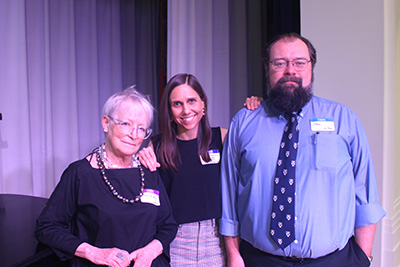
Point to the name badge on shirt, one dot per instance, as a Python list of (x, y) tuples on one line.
[(150, 196), (214, 155), (322, 125)]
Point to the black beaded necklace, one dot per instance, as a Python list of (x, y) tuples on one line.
[(100, 163)]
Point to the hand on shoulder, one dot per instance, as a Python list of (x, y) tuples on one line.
[(253, 102), (148, 158)]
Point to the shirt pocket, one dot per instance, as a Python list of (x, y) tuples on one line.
[(325, 145)]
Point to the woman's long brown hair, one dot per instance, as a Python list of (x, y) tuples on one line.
[(167, 151)]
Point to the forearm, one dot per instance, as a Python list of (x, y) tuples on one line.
[(145, 256), (364, 237), (232, 251), (155, 247), (84, 250), (89, 252)]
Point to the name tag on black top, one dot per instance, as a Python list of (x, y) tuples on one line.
[(151, 196), (214, 155)]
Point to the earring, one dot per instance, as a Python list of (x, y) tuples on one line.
[(204, 111)]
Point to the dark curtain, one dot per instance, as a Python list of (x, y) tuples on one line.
[(142, 42), (279, 16), (249, 33), (61, 60)]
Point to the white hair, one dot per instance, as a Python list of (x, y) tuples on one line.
[(113, 103)]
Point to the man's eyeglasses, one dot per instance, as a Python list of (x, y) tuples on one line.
[(126, 127), (280, 64)]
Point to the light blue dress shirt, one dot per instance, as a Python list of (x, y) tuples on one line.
[(336, 187)]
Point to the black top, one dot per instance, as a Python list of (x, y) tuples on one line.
[(82, 208), (194, 190)]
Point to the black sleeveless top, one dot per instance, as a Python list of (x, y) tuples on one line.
[(194, 190)]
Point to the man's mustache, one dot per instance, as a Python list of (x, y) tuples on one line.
[(284, 79)]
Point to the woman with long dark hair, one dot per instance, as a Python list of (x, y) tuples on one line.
[(189, 152)]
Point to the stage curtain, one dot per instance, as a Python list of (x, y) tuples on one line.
[(221, 43), (59, 62)]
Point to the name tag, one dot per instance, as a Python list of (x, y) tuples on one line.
[(150, 196), (214, 155), (322, 125)]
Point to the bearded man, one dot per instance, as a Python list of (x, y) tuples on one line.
[(298, 182)]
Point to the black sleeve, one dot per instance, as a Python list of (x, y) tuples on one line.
[(53, 226), (166, 225)]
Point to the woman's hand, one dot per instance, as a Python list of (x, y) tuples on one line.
[(103, 256), (143, 257), (253, 102), (148, 159)]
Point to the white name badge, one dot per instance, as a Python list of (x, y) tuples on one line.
[(214, 155), (150, 196), (322, 125)]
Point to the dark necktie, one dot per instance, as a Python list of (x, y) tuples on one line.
[(282, 217)]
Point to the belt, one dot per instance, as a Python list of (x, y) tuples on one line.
[(296, 259), (290, 258)]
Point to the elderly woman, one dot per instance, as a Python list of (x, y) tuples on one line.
[(107, 208)]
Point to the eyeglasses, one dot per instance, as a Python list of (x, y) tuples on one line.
[(126, 127), (280, 64)]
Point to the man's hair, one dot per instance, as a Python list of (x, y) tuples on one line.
[(290, 37)]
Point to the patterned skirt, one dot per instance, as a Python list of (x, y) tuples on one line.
[(198, 244)]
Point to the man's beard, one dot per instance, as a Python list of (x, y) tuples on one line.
[(288, 97)]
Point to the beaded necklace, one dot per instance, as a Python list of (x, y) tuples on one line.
[(102, 167), (108, 164)]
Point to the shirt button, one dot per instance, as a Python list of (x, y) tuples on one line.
[(296, 241)]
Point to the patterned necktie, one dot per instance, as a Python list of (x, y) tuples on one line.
[(282, 223)]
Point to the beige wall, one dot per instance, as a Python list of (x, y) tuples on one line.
[(396, 130), (391, 160), (356, 42)]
